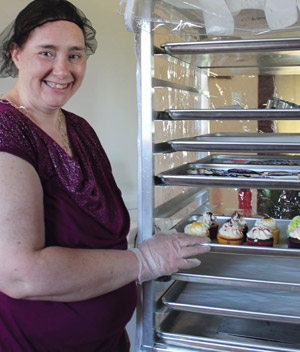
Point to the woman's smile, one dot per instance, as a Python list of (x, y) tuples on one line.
[(57, 85)]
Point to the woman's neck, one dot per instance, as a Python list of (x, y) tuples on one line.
[(46, 118)]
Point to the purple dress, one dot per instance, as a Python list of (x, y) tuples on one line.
[(83, 209)]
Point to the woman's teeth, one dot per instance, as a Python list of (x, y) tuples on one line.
[(56, 85)]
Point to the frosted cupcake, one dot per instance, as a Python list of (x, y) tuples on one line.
[(239, 220), (293, 233), (230, 233), (260, 236), (210, 221), (271, 224), (196, 229)]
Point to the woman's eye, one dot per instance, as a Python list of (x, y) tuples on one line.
[(46, 54), (75, 56)]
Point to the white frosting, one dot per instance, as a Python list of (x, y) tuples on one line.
[(230, 230), (236, 218), (207, 219), (295, 233), (259, 233), (269, 223), (196, 228)]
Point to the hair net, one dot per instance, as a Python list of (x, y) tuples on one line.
[(37, 13)]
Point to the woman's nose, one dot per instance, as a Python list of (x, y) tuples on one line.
[(61, 67)]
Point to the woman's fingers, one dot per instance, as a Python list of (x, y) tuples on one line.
[(189, 240), (194, 250)]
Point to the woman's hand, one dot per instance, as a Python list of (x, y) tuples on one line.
[(164, 254)]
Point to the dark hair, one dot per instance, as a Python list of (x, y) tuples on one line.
[(37, 13)]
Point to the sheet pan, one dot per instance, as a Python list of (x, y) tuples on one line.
[(252, 266), (216, 171), (243, 142), (227, 334), (230, 114), (238, 302), (282, 160)]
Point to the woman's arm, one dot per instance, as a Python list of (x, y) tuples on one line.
[(30, 271)]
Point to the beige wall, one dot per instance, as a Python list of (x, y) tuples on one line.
[(234, 90), (287, 88), (224, 92), (107, 98)]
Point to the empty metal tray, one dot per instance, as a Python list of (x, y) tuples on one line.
[(227, 334), (234, 301), (231, 114), (268, 55), (237, 142), (233, 46)]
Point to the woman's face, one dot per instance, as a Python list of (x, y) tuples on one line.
[(51, 65)]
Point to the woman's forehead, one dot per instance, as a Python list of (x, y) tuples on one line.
[(58, 31)]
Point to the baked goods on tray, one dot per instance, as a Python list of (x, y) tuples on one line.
[(210, 221), (260, 236), (230, 233), (293, 233), (196, 228), (239, 220), (271, 224)]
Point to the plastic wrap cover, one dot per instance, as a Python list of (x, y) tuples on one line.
[(241, 18)]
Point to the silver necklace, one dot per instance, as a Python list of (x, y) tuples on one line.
[(63, 132), (61, 126)]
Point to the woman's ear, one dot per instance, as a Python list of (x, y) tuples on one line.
[(15, 54)]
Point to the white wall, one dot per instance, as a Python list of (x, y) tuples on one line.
[(107, 98)]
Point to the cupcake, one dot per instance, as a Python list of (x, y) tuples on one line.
[(230, 233), (293, 233), (210, 221), (260, 236), (271, 224), (238, 219), (196, 229)]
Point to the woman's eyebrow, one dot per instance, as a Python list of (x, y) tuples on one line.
[(54, 47)]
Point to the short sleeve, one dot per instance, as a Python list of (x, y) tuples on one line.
[(15, 136)]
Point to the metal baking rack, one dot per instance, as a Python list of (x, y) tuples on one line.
[(240, 299)]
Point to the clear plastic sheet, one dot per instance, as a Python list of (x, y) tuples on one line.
[(202, 18), (220, 87), (215, 90)]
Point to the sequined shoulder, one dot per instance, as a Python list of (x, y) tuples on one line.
[(15, 135)]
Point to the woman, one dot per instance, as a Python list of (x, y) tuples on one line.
[(67, 280)]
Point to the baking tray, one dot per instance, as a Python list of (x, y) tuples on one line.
[(234, 301), (238, 268), (252, 266), (281, 223), (244, 142), (230, 114), (233, 159), (227, 334), (262, 53), (184, 175), (236, 45)]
